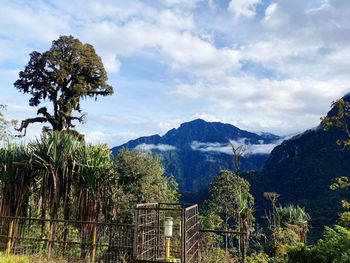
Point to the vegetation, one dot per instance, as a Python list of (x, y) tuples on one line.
[(64, 74), (59, 176), (16, 178), (14, 259), (341, 120), (26, 259), (231, 200)]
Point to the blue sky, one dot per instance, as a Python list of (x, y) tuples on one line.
[(272, 66)]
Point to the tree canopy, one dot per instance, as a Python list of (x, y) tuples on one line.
[(230, 198), (67, 72)]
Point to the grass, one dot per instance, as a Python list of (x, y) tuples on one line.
[(26, 259)]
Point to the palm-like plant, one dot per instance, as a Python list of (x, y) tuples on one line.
[(16, 178), (244, 218), (92, 181), (53, 159), (294, 218)]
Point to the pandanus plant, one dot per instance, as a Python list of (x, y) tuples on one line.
[(54, 160), (91, 184), (294, 218), (16, 178), (244, 218), (92, 181)]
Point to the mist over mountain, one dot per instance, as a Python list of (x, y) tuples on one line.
[(196, 151)]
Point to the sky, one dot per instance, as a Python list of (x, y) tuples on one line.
[(271, 66)]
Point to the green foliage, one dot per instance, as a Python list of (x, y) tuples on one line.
[(231, 200), (227, 190), (59, 176), (257, 258), (335, 248), (283, 237), (288, 225), (53, 158), (216, 255), (172, 259), (14, 258), (27, 259), (341, 119), (140, 177), (344, 219), (211, 221), (276, 260), (292, 215), (16, 178), (64, 74), (93, 165)]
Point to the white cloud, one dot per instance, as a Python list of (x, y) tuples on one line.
[(159, 147), (281, 107), (182, 50), (111, 139), (115, 130), (278, 74), (32, 22), (245, 8), (270, 10), (226, 147), (211, 147), (187, 3), (111, 63), (304, 38)]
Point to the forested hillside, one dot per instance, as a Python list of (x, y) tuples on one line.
[(196, 151), (302, 170)]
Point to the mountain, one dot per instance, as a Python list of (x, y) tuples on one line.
[(196, 151), (301, 170)]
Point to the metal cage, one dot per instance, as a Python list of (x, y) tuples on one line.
[(150, 243)]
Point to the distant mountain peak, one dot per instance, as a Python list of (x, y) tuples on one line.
[(195, 121), (197, 150)]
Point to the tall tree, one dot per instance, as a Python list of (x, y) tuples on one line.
[(231, 199), (141, 178), (64, 74)]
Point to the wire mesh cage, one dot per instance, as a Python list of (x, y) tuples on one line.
[(74, 241), (166, 232)]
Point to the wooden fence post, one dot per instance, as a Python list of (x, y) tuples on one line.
[(50, 241), (93, 244), (142, 241), (10, 238)]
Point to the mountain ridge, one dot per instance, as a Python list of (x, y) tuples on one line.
[(301, 169), (197, 150)]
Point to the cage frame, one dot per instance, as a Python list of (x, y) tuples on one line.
[(188, 231)]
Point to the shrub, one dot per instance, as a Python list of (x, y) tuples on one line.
[(335, 248), (216, 255), (258, 258)]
